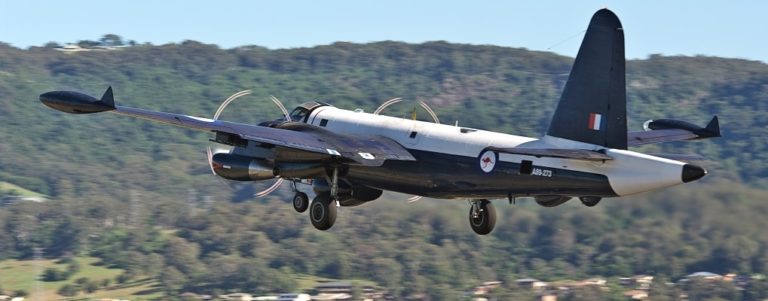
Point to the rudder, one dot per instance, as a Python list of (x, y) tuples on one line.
[(593, 106)]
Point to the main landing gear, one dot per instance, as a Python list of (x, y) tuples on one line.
[(482, 216), (322, 211)]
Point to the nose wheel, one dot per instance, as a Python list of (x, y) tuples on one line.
[(322, 212), (482, 216)]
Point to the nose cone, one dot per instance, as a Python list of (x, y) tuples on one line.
[(692, 173)]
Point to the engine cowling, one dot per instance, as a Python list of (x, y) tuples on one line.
[(299, 170), (242, 168)]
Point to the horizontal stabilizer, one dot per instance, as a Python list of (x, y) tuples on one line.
[(575, 154), (680, 157)]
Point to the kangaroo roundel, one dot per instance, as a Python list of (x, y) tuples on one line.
[(488, 161)]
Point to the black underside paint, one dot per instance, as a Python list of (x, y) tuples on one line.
[(441, 175)]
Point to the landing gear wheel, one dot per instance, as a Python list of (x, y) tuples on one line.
[(300, 202), (482, 217), (590, 201), (322, 212)]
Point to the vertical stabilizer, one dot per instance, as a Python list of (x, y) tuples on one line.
[(593, 107)]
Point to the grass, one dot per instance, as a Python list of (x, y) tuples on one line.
[(21, 275), (8, 188)]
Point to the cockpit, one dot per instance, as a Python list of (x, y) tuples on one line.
[(300, 113)]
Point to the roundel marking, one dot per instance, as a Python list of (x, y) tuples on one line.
[(488, 160)]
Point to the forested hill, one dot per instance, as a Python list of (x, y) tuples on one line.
[(138, 195)]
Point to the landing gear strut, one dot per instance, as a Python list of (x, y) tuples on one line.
[(482, 216), (322, 212)]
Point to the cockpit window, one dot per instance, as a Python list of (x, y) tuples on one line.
[(299, 114)]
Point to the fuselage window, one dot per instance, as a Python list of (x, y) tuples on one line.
[(323, 122), (413, 135)]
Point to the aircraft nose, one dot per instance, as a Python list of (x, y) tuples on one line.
[(692, 173)]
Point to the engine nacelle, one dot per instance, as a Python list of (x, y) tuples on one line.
[(299, 170), (242, 168), (551, 200)]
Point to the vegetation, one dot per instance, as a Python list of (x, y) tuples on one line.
[(139, 197)]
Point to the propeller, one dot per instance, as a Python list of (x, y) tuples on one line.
[(424, 106), (279, 181), (421, 103)]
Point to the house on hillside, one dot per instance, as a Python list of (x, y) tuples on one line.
[(237, 297), (532, 284), (640, 282), (547, 297), (294, 297), (703, 275), (485, 288), (636, 294), (337, 289), (333, 297)]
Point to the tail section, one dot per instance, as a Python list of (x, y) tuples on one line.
[(593, 107)]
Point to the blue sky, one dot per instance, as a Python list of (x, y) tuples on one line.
[(735, 29)]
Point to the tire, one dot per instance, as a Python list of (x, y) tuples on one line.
[(300, 202), (486, 218), (322, 212)]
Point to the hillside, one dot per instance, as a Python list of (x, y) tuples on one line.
[(140, 197)]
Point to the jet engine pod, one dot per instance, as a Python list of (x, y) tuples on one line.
[(241, 168)]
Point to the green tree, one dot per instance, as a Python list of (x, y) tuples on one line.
[(172, 280), (20, 293), (68, 290), (111, 40), (54, 274)]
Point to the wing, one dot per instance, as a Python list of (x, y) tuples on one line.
[(363, 150), (666, 130)]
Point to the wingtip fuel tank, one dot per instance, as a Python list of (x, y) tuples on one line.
[(78, 103)]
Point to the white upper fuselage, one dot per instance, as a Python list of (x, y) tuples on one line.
[(628, 173)]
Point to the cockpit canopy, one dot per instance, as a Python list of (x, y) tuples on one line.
[(300, 113)]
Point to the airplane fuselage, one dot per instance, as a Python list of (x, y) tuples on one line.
[(450, 162)]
